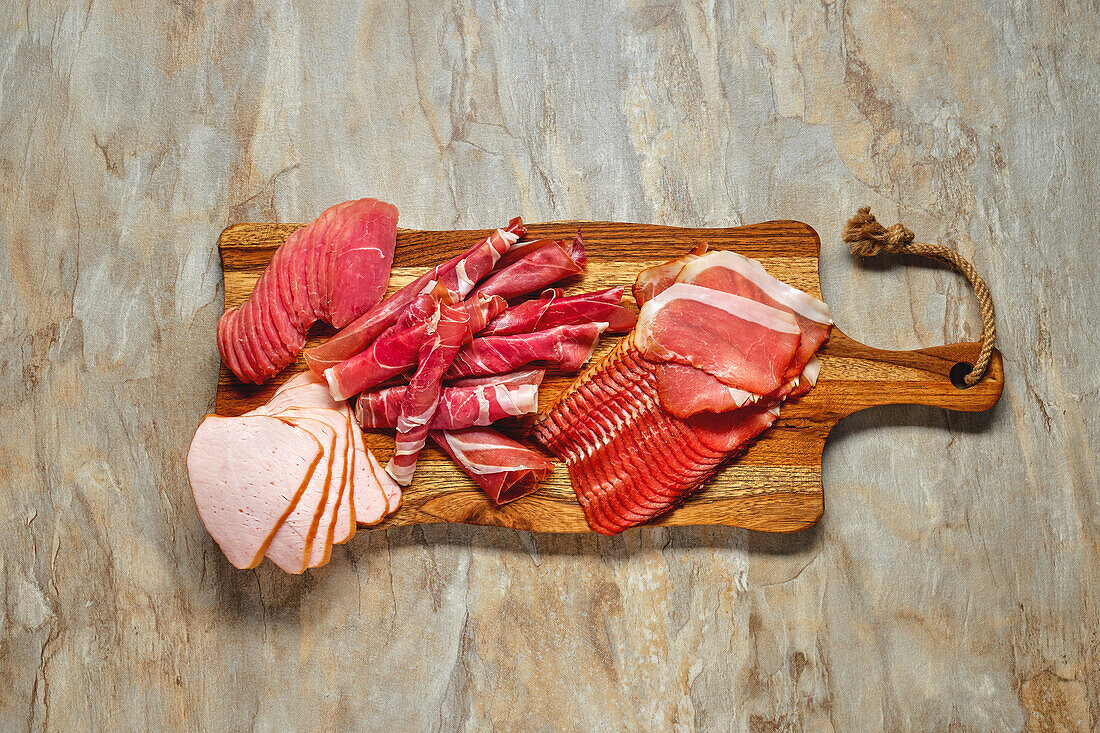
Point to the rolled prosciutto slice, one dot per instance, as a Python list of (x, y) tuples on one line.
[(552, 309), (504, 469), (333, 269), (541, 263), (654, 280), (396, 349), (465, 403), (421, 398), (561, 347), (743, 343), (459, 274)]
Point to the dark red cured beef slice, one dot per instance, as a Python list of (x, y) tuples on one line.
[(285, 339), (239, 342), (225, 346), (253, 345), (729, 431), (610, 522), (361, 259), (582, 484), (311, 243), (814, 334), (296, 278)]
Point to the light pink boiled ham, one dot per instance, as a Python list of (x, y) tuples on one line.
[(247, 475), (334, 269)]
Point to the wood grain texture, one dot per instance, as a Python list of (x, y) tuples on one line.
[(774, 486), (953, 582)]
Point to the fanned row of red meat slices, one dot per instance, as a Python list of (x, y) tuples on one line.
[(288, 480), (333, 269), (719, 344)]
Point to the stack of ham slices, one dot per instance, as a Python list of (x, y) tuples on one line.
[(333, 270), (718, 346), (288, 480)]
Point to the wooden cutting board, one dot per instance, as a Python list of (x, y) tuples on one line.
[(775, 486)]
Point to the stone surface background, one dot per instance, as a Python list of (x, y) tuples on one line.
[(954, 581)]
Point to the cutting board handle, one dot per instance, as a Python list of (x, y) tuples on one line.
[(856, 376)]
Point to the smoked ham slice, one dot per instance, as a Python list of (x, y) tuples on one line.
[(744, 343), (247, 475), (656, 279)]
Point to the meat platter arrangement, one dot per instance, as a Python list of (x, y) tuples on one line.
[(448, 385)]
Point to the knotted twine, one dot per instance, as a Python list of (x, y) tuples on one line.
[(867, 238)]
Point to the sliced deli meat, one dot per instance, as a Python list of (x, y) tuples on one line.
[(459, 274), (742, 342), (504, 469), (333, 269), (421, 399), (553, 308), (540, 263), (654, 280), (462, 404), (247, 475), (561, 347)]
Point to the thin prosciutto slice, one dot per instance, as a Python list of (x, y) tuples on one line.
[(744, 343), (459, 274), (396, 349), (685, 391), (541, 263), (561, 347), (554, 309), (733, 273), (421, 398), (504, 469), (465, 403), (654, 280)]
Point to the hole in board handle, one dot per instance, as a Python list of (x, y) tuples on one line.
[(958, 374)]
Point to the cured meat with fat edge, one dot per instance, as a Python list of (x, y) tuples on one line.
[(504, 469)]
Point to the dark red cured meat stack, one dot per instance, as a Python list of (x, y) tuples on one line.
[(629, 459)]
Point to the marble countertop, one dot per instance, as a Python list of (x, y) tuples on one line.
[(954, 581)]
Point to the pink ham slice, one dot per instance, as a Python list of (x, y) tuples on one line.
[(504, 469), (334, 269), (730, 272), (459, 274), (561, 347), (553, 309), (541, 263), (654, 280), (291, 547), (247, 475), (745, 344), (465, 403), (421, 399)]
